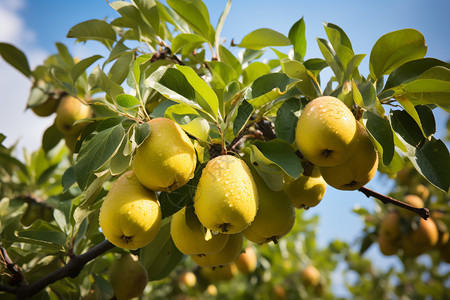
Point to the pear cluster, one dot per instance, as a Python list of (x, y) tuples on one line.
[(401, 231), (329, 136)]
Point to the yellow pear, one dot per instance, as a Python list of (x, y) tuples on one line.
[(130, 216), (310, 276), (127, 277), (247, 261), (187, 278), (414, 201), (189, 235), (69, 111), (420, 239), (226, 199), (221, 273), (275, 217), (357, 170), (326, 131), (225, 256), (306, 191), (166, 159)]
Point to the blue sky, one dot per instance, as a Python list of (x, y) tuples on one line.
[(34, 26)]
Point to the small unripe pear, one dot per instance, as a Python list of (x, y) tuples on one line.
[(166, 159), (127, 277)]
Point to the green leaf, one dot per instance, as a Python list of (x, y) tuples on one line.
[(97, 151), (93, 30), (298, 39), (120, 160), (98, 79), (264, 37), (205, 96), (64, 55), (81, 66), (411, 110), (332, 59), (219, 26), (186, 42), (222, 74), (380, 129), (195, 13), (198, 128), (281, 154), (411, 70), (340, 42), (68, 179), (315, 65), (253, 71), (268, 170), (228, 58), (244, 113), (394, 49), (176, 200), (141, 132), (15, 58), (286, 120), (307, 84), (268, 88), (120, 69), (51, 137), (127, 101), (161, 256), (46, 174)]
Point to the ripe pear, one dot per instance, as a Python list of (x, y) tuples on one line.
[(306, 191), (127, 277), (187, 278), (68, 112), (166, 159), (275, 217), (390, 226), (326, 131), (221, 273), (189, 235), (358, 169), (421, 190), (420, 239), (412, 200), (247, 261), (226, 199), (310, 276), (130, 215), (225, 256), (387, 246)]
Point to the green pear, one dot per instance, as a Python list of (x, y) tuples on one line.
[(306, 191), (326, 131), (68, 112), (127, 277)]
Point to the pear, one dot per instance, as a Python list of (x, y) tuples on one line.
[(225, 256), (247, 261), (69, 111), (46, 108), (189, 235), (187, 278), (130, 215), (226, 199), (326, 131), (390, 226), (306, 191), (275, 217), (166, 159), (387, 245), (420, 239), (357, 170), (310, 276), (412, 200), (127, 277)]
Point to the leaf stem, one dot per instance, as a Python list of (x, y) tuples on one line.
[(421, 212)]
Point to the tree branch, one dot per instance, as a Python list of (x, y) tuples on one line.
[(17, 276), (72, 269), (421, 212)]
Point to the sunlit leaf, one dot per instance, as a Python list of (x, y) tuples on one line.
[(264, 37)]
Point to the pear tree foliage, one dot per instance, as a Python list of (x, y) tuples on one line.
[(170, 61)]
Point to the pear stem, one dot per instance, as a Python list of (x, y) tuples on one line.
[(421, 212)]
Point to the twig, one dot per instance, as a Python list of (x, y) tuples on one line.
[(17, 277), (421, 212), (72, 269)]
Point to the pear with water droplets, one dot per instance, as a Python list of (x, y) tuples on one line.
[(130, 215), (226, 200), (166, 159), (226, 256), (326, 131)]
